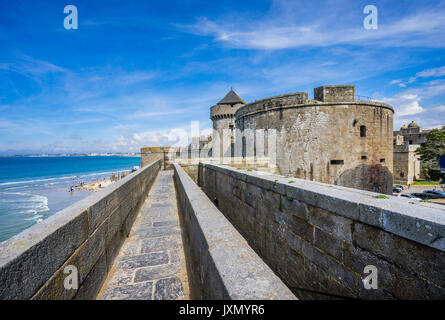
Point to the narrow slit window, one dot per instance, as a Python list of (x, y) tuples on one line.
[(337, 162), (362, 131)]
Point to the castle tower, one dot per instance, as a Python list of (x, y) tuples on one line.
[(223, 116), (334, 138)]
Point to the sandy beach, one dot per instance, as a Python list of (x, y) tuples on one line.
[(97, 185)]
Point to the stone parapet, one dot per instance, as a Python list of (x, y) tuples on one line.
[(86, 235), (255, 108), (338, 93), (406, 148), (222, 264), (318, 238)]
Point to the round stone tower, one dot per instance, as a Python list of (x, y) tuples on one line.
[(334, 138), (223, 116)]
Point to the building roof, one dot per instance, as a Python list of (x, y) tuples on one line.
[(231, 98), (413, 125)]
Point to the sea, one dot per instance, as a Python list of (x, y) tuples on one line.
[(34, 188)]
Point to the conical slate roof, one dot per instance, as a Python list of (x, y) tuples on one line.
[(231, 98)]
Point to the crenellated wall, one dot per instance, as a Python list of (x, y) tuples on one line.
[(318, 238), (87, 235)]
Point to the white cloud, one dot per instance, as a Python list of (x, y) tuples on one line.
[(32, 67), (176, 137), (275, 32), (435, 72), (405, 104)]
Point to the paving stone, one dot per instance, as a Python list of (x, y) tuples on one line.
[(140, 291), (131, 248), (121, 277), (151, 258), (175, 257), (143, 260), (157, 272), (150, 232), (160, 244), (168, 289), (167, 223), (161, 205)]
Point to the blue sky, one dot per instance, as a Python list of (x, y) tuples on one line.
[(135, 73)]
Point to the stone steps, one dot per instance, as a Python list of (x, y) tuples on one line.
[(151, 263)]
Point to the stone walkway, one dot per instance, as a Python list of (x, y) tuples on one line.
[(151, 263)]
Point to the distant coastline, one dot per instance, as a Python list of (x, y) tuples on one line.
[(34, 187), (75, 155)]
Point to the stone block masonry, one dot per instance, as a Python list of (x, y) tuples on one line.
[(332, 139), (151, 264), (87, 235), (318, 238), (222, 264)]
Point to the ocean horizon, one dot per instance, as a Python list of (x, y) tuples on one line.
[(34, 188)]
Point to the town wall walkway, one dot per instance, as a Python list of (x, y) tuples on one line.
[(151, 264)]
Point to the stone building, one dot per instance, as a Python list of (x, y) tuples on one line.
[(411, 134), (407, 163), (333, 139), (223, 116)]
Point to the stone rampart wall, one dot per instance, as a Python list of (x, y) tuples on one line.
[(86, 235), (222, 264), (318, 238)]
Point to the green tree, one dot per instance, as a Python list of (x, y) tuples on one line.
[(431, 150)]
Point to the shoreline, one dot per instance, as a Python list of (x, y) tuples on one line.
[(97, 185)]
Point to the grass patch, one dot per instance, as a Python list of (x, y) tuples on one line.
[(292, 181), (290, 198), (381, 196), (249, 169), (425, 183), (426, 201)]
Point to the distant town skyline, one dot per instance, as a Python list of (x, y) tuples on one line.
[(136, 73)]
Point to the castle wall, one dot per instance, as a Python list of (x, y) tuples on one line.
[(87, 235), (319, 238), (223, 117), (322, 141), (336, 93), (151, 154), (406, 164), (221, 263)]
